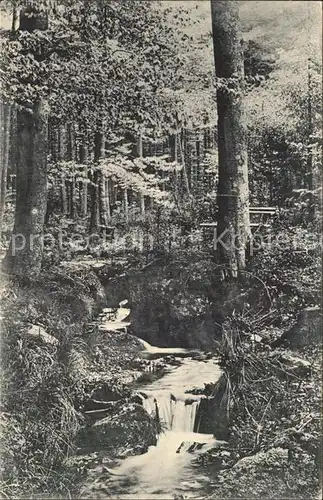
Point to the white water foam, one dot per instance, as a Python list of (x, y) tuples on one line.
[(165, 469), (175, 415)]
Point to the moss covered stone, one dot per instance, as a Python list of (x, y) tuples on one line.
[(127, 430)]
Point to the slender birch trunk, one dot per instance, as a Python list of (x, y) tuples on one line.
[(141, 195), (95, 199), (184, 170), (125, 204), (4, 157)]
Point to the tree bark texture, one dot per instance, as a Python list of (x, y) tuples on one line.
[(26, 249), (24, 256), (233, 228), (95, 198), (4, 157), (141, 195)]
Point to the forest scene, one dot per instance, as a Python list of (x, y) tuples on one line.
[(160, 247)]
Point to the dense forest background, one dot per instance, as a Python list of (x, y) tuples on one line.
[(118, 119), (132, 129)]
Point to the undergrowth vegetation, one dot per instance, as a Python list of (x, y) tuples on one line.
[(289, 263), (272, 397), (42, 377), (273, 407)]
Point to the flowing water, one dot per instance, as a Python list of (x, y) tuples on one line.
[(167, 469)]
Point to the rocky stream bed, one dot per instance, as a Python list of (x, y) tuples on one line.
[(145, 445)]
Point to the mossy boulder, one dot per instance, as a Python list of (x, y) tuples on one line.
[(306, 332), (273, 458), (171, 302), (127, 430), (308, 329), (269, 474)]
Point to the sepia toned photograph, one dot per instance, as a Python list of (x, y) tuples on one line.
[(160, 249)]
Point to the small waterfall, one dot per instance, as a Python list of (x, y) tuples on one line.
[(167, 468), (184, 416), (175, 414)]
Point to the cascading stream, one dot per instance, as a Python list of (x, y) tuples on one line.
[(173, 414), (166, 468)]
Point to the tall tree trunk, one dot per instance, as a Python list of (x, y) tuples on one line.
[(206, 138), (107, 200), (53, 153), (4, 144), (113, 194), (72, 194), (14, 19), (184, 170), (64, 199), (188, 157), (95, 199), (162, 182), (233, 228), (95, 212), (71, 156), (24, 256), (141, 195), (61, 157), (26, 249), (142, 203), (198, 160), (84, 192), (102, 200), (174, 157), (103, 209), (83, 160), (194, 161), (125, 204)]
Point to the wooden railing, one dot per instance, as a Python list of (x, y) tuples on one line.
[(262, 213)]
